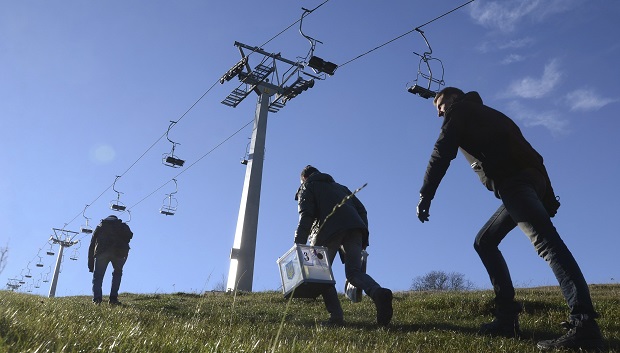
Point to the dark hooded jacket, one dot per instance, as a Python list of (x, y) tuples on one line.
[(316, 200), (490, 141), (111, 233)]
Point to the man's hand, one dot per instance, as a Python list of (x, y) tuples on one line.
[(423, 207)]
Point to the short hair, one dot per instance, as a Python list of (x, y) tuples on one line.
[(307, 171), (448, 91)]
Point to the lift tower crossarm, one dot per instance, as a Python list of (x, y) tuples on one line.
[(271, 55)]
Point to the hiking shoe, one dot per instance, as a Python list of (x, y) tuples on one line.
[(114, 302), (501, 328), (96, 301), (587, 336), (383, 303), (333, 322)]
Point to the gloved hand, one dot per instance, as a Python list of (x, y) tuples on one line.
[(423, 207)]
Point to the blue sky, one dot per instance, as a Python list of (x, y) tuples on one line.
[(89, 88)]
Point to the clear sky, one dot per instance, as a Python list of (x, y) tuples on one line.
[(88, 89)]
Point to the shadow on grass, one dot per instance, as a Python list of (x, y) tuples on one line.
[(537, 307)]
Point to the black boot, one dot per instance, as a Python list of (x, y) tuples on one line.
[(383, 302), (585, 334), (504, 327), (506, 322)]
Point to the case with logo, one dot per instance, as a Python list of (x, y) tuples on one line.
[(305, 270)]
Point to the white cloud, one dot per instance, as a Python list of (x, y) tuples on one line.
[(586, 100), (530, 87), (512, 58), (516, 43), (505, 15), (550, 120), (487, 47)]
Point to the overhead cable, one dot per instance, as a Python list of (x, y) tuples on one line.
[(404, 34)]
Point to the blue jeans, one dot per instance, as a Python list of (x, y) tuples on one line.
[(522, 207), (117, 258), (350, 241)]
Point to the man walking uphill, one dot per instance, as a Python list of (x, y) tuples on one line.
[(510, 167), (342, 229), (109, 244)]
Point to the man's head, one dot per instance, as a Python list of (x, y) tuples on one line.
[(307, 171), (444, 99)]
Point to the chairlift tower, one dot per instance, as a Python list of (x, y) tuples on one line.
[(272, 96), (64, 238)]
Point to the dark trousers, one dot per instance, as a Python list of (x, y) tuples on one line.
[(351, 243), (117, 258), (522, 207)]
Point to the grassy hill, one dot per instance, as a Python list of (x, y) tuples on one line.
[(265, 322)]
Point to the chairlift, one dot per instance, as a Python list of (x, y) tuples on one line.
[(425, 79), (317, 64), (27, 269), (169, 159), (117, 205), (86, 229), (170, 208), (74, 256), (246, 156), (13, 284), (40, 262), (47, 275), (50, 251)]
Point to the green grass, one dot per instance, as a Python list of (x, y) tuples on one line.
[(250, 322)]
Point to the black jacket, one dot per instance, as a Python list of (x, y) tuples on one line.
[(316, 200), (490, 141), (111, 233)]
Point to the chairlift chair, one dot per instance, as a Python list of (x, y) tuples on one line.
[(46, 278), (40, 262), (246, 156), (27, 269), (170, 208), (74, 256), (317, 64), (169, 159), (117, 205), (86, 229), (50, 251), (425, 73)]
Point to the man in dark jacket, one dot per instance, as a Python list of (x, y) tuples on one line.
[(109, 244), (344, 229), (510, 167)]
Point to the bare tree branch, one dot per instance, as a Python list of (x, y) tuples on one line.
[(4, 255)]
